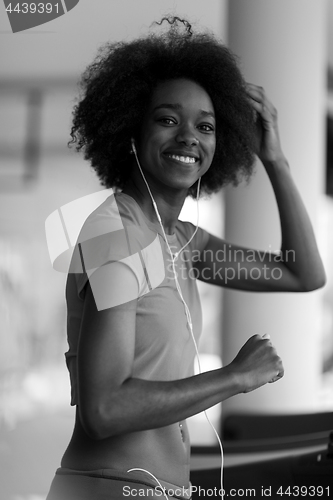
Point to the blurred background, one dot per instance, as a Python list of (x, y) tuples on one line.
[(287, 47)]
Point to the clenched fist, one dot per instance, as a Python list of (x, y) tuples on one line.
[(257, 363)]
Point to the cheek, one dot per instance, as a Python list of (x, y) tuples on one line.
[(153, 139), (212, 148)]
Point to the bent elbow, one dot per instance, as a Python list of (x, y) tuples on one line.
[(314, 284), (96, 424), (91, 423)]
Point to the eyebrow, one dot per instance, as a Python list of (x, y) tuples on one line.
[(178, 106)]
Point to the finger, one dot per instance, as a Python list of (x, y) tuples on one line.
[(267, 337), (280, 373), (263, 108), (263, 119), (250, 85), (258, 94), (277, 377)]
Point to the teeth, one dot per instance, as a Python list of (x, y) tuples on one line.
[(185, 159)]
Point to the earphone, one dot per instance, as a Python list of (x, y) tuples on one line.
[(187, 311)]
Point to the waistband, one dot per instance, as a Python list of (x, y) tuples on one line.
[(136, 476)]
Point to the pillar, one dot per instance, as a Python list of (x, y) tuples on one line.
[(281, 45)]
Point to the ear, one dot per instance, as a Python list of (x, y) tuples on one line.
[(133, 145)]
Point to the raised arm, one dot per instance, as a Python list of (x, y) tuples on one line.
[(112, 402), (299, 266)]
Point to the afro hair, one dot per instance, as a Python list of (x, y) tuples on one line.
[(117, 88)]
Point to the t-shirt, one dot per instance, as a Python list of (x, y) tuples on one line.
[(118, 231)]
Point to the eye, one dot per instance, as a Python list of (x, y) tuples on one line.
[(167, 120), (206, 127)]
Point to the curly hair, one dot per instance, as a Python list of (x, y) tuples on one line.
[(117, 88)]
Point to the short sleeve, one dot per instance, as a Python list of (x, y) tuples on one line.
[(111, 244)]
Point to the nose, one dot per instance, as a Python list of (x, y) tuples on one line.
[(187, 136)]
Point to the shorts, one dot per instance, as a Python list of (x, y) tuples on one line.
[(109, 484)]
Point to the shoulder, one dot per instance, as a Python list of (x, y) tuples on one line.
[(112, 247), (117, 211), (115, 230)]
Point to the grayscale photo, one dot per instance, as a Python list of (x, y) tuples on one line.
[(166, 249)]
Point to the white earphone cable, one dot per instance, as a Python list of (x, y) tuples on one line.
[(152, 475)]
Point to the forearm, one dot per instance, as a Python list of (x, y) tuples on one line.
[(299, 248), (141, 404)]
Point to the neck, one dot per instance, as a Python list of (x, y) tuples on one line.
[(169, 201)]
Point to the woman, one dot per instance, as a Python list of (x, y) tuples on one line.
[(162, 118)]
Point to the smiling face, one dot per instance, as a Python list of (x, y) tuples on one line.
[(177, 141)]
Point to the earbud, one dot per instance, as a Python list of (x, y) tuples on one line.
[(133, 145)]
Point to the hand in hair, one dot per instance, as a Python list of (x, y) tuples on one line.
[(268, 140)]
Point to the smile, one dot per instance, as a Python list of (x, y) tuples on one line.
[(183, 159)]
